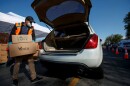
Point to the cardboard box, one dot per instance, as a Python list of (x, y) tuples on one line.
[(3, 47), (37, 46), (3, 59), (3, 53), (21, 38), (22, 49), (35, 56), (4, 37)]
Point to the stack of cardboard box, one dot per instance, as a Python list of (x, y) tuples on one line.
[(3, 53), (22, 45), (4, 37), (3, 47)]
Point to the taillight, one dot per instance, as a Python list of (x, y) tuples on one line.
[(40, 45), (92, 43)]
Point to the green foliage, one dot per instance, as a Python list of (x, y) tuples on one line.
[(113, 39), (127, 25)]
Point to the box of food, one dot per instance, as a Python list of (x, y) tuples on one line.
[(21, 38), (3, 47), (3, 53), (20, 49), (35, 56), (3, 59), (37, 46)]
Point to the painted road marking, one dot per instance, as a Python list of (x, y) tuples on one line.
[(74, 81)]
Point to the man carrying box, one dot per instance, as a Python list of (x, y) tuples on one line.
[(24, 28)]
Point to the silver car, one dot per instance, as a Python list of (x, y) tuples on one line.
[(72, 42)]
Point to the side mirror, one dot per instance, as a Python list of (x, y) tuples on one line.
[(100, 40)]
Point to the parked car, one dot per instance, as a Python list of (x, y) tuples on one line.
[(124, 44), (72, 42), (113, 46)]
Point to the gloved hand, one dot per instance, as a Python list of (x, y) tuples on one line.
[(9, 43), (33, 41)]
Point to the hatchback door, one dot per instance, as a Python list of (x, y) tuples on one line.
[(67, 17), (62, 12)]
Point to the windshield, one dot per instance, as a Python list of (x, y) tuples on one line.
[(66, 7)]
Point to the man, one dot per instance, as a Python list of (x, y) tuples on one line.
[(24, 28)]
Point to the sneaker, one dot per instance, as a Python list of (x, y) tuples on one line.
[(15, 82), (36, 79)]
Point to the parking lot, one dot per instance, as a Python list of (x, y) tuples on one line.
[(116, 73)]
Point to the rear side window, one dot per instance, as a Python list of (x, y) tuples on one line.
[(67, 7)]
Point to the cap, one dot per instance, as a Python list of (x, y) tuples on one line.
[(29, 18)]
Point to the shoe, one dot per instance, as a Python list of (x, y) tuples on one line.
[(36, 79), (15, 82)]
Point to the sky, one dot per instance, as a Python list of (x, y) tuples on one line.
[(106, 16)]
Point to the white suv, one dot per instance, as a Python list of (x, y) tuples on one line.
[(72, 41)]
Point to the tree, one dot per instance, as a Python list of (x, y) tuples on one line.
[(127, 25), (113, 39)]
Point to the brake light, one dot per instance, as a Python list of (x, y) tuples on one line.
[(92, 43), (40, 45)]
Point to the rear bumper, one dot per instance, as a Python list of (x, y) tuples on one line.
[(68, 66), (90, 58)]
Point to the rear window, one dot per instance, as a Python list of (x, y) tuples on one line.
[(66, 7)]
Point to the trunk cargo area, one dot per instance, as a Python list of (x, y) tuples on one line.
[(67, 38)]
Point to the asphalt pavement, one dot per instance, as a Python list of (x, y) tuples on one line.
[(116, 73)]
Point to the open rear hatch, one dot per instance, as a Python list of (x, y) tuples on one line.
[(67, 17), (62, 12)]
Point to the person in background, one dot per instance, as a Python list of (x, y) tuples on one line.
[(24, 28)]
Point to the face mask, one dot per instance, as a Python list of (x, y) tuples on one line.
[(29, 24)]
